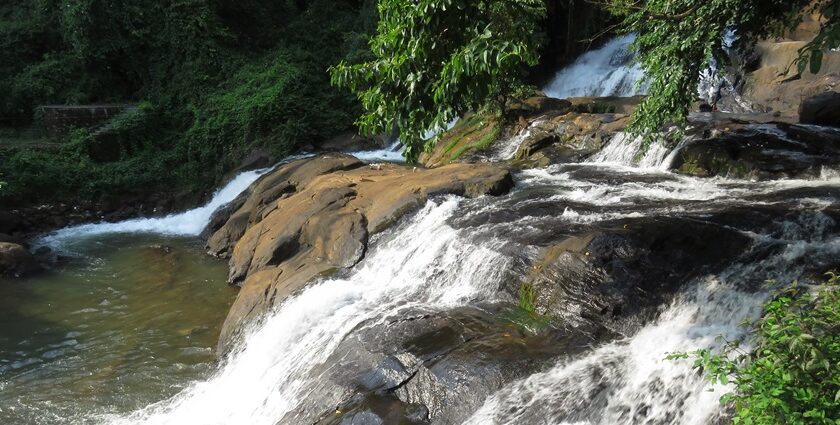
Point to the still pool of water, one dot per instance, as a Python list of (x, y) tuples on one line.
[(126, 321)]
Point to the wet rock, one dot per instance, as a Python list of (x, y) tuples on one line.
[(313, 217), (617, 277), (822, 109), (362, 418), (567, 138), (537, 105), (431, 367), (761, 151), (16, 261), (351, 141)]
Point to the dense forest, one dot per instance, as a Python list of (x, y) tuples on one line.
[(212, 81)]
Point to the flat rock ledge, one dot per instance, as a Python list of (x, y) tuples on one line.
[(313, 217)]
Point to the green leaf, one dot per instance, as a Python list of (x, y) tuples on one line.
[(816, 61)]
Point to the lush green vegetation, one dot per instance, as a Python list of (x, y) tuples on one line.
[(434, 60), (677, 39), (791, 375), (216, 78), (219, 78)]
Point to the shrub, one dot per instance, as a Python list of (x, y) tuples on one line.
[(792, 375)]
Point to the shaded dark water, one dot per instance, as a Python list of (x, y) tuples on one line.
[(125, 322)]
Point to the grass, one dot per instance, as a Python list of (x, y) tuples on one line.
[(525, 314)]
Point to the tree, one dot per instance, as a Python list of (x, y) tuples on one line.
[(434, 60), (678, 38)]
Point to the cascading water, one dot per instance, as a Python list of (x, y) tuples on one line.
[(607, 71), (630, 381), (456, 253), (188, 223), (425, 264), (391, 153), (624, 149), (509, 147), (193, 222), (394, 151)]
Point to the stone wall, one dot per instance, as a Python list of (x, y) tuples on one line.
[(58, 120)]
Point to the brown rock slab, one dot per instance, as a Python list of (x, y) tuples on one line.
[(314, 216)]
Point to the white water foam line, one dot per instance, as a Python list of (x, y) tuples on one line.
[(188, 223), (392, 153), (395, 151)]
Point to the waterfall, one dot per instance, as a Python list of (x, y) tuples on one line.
[(607, 71), (717, 83), (394, 151), (423, 264), (624, 149), (188, 223), (508, 148), (391, 153), (629, 381), (432, 263)]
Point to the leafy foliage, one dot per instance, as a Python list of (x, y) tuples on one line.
[(678, 38), (811, 55), (434, 60), (791, 377), (217, 78)]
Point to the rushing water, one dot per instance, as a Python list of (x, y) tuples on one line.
[(439, 260), (188, 223), (607, 71), (122, 334), (425, 263)]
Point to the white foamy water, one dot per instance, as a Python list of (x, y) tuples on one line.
[(425, 263), (624, 149), (188, 223), (509, 147), (392, 153), (629, 381), (607, 71), (395, 151)]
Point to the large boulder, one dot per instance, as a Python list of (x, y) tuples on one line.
[(16, 261), (618, 276), (775, 85), (761, 151), (313, 217), (566, 138), (436, 367), (822, 109)]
